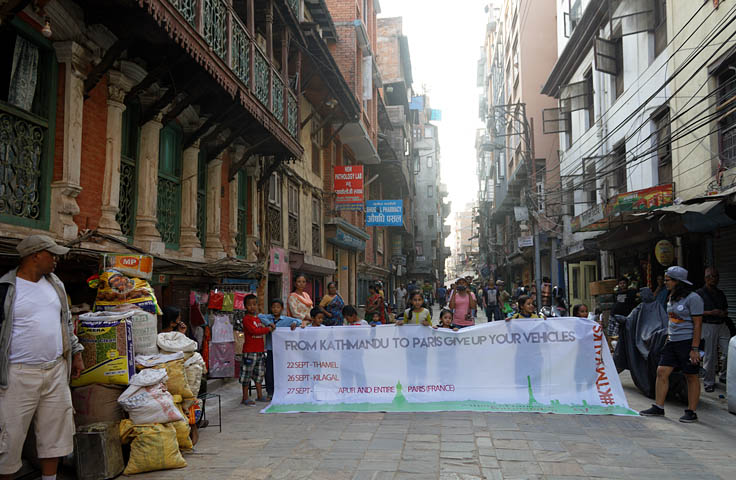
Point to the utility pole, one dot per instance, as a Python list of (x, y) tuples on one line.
[(535, 225)]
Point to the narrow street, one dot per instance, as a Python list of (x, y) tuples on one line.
[(458, 445)]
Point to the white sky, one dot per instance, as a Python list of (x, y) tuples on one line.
[(444, 42)]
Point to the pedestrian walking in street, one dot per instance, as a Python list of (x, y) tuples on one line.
[(331, 305), (526, 309), (400, 298), (715, 331), (254, 351), (417, 314), (274, 318), (442, 296), (580, 311), (374, 304), (39, 354), (493, 312), (685, 312), (300, 303), (462, 303)]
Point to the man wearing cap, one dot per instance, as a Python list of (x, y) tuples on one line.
[(39, 353)]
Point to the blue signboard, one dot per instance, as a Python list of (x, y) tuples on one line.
[(344, 239), (417, 103), (435, 115), (384, 213)]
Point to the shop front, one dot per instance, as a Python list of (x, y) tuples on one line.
[(279, 275), (318, 271), (344, 242)]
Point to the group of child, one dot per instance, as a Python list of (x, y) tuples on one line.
[(257, 362)]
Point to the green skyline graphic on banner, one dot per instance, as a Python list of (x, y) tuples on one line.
[(401, 404)]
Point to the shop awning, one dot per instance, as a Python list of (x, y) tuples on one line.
[(312, 264)]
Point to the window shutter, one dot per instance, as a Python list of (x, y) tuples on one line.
[(575, 96), (631, 16), (605, 56), (554, 120)]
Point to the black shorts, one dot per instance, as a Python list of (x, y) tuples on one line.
[(677, 354)]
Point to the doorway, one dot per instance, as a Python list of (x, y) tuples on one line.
[(274, 288)]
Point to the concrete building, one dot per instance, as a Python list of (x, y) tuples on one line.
[(517, 164), (465, 245), (430, 210), (610, 84)]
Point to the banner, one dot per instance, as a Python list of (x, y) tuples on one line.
[(384, 213), (552, 366), (349, 187)]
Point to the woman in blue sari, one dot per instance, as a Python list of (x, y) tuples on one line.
[(331, 305)]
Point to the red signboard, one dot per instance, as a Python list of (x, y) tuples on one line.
[(349, 187)]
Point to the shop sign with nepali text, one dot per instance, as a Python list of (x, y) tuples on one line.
[(349, 187), (384, 213)]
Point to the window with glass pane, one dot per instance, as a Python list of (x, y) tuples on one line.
[(169, 184), (240, 248), (430, 191), (293, 215), (727, 121), (316, 226), (202, 197), (28, 73)]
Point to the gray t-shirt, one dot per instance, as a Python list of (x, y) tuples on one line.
[(681, 313)]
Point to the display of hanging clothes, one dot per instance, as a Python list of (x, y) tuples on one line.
[(216, 300), (222, 360), (239, 301), (195, 316), (227, 302), (222, 329)]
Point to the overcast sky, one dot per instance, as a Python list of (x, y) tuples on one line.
[(444, 42)]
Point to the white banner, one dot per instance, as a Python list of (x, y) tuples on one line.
[(561, 365)]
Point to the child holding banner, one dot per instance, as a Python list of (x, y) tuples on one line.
[(526, 308), (416, 314), (318, 317), (281, 321), (446, 320), (254, 348), (351, 317)]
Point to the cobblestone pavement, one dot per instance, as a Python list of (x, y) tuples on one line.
[(459, 445)]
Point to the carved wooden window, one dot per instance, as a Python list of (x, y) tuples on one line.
[(241, 240), (273, 211), (293, 215), (168, 211), (130, 142), (316, 226), (28, 74)]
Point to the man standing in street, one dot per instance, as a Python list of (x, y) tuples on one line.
[(490, 300), (39, 353), (715, 331), (400, 298), (625, 298)]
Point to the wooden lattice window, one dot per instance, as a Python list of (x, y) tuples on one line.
[(168, 212), (293, 215), (273, 211)]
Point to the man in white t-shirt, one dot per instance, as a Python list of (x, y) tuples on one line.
[(39, 353)]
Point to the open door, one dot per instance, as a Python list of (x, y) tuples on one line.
[(589, 271), (574, 282)]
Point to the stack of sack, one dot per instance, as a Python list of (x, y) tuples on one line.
[(156, 429), (161, 403)]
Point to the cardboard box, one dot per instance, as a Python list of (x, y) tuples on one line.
[(603, 287)]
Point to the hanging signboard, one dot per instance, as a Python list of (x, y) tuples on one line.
[(349, 187), (384, 213)]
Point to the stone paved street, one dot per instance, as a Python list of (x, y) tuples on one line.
[(458, 445)]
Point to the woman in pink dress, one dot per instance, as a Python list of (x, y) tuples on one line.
[(463, 303), (300, 304)]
